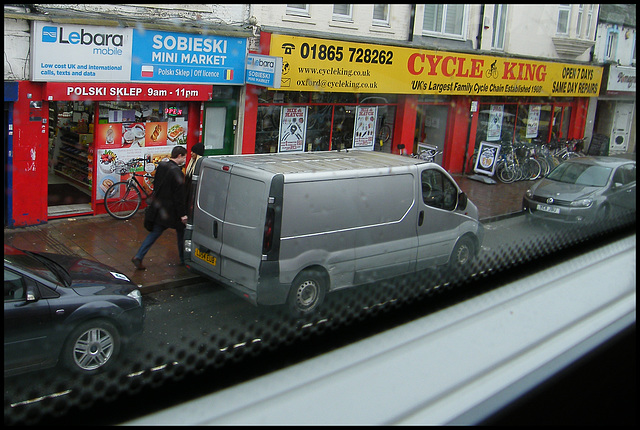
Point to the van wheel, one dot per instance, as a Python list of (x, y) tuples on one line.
[(307, 293), (462, 254)]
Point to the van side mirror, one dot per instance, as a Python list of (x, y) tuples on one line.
[(462, 201)]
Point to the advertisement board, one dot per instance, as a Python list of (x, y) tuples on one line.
[(264, 70), (311, 64), (293, 128), (364, 128), (487, 158), (83, 53)]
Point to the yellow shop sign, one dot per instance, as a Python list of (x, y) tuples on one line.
[(336, 66)]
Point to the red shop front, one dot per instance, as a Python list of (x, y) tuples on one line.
[(91, 127)]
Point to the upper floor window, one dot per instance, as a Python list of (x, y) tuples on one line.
[(564, 12), (612, 46), (381, 14), (444, 19), (579, 20), (499, 26), (342, 12), (589, 21), (298, 9)]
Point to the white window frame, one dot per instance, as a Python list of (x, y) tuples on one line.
[(348, 17), (381, 22), (579, 20), (442, 32), (589, 21), (296, 11), (611, 45), (499, 31), (562, 20)]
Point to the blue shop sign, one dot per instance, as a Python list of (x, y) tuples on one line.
[(161, 56)]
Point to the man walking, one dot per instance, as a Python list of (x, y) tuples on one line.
[(169, 201)]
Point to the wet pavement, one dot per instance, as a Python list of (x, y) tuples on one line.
[(114, 242)]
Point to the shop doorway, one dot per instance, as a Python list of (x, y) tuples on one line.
[(431, 122), (218, 127), (621, 128), (69, 185)]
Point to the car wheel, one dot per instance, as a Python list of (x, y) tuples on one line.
[(307, 293), (92, 347), (462, 254)]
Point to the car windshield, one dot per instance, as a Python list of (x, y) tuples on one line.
[(40, 266), (581, 174)]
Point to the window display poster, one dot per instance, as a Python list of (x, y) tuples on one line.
[(111, 162), (533, 121), (293, 127), (364, 128), (494, 125)]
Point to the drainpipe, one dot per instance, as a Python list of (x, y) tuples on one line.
[(480, 27), (412, 21)]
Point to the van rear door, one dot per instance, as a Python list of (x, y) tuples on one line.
[(208, 216)]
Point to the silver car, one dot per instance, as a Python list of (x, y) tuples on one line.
[(584, 189)]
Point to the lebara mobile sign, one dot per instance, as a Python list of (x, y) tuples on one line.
[(76, 53)]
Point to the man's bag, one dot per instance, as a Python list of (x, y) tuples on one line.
[(149, 216)]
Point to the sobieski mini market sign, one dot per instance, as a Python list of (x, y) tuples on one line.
[(73, 53), (331, 65)]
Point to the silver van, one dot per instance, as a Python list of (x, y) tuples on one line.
[(289, 228)]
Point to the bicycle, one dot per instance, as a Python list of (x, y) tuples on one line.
[(428, 154), (123, 199)]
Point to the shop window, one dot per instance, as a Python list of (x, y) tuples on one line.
[(330, 120)]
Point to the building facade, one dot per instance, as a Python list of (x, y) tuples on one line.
[(89, 88), (397, 78), (385, 77)]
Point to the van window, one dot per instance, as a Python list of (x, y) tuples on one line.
[(243, 210), (438, 191)]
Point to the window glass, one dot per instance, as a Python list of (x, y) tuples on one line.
[(564, 11), (381, 14), (438, 191), (446, 19), (13, 286)]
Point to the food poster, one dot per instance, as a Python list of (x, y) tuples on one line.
[(111, 168), (494, 125), (133, 134), (293, 128), (177, 132), (533, 121), (364, 128), (155, 134)]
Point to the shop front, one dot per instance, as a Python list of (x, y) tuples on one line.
[(347, 95), (103, 96), (96, 129)]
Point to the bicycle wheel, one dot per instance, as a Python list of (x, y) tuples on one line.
[(532, 169), (506, 173), (122, 200), (385, 133), (544, 166)]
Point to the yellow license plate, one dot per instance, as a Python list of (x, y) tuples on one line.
[(204, 256)]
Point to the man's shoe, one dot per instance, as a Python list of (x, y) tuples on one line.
[(138, 263)]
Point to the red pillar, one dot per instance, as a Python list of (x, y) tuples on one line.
[(405, 124), (30, 156)]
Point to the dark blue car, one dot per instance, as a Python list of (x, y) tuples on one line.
[(60, 308)]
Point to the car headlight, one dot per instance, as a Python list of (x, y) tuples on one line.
[(187, 246), (135, 294), (529, 193), (583, 203)]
